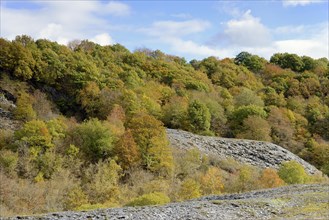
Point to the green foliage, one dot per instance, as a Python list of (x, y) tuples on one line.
[(292, 172), (35, 134), (252, 62), (156, 198), (248, 97), (24, 110), (199, 117), (286, 60), (94, 139)]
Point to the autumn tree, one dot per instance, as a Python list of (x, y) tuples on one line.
[(127, 151), (150, 136), (255, 128), (211, 181)]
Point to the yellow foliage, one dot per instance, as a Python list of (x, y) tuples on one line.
[(211, 181), (189, 189)]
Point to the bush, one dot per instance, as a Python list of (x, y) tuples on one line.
[(211, 181), (24, 110), (8, 162), (156, 198), (292, 172), (190, 189), (270, 179)]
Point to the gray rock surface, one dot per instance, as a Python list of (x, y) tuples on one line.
[(290, 202), (257, 153)]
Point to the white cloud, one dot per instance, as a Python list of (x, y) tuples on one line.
[(293, 3), (61, 21), (191, 48), (103, 39), (176, 28), (247, 31), (314, 45), (117, 9)]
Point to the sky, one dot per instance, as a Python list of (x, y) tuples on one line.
[(189, 29)]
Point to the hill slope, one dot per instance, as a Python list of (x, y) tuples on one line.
[(260, 154), (291, 202)]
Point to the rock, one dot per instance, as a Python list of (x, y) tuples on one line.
[(257, 153)]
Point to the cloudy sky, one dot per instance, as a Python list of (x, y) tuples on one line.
[(191, 29)]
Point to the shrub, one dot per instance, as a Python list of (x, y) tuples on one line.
[(292, 173), (211, 181), (270, 179), (24, 110), (8, 162), (156, 198), (94, 139), (75, 198), (189, 189)]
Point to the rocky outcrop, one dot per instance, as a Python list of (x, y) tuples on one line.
[(6, 111), (257, 153), (290, 202)]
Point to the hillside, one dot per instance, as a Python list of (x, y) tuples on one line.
[(291, 202), (86, 126)]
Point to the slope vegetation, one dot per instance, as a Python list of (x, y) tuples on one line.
[(291, 202)]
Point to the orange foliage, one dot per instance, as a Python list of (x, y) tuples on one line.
[(270, 179)]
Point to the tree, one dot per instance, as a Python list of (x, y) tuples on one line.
[(241, 113), (150, 136), (248, 97), (255, 128), (94, 139), (35, 133), (199, 117), (252, 62), (292, 172), (127, 151), (286, 60), (89, 99), (211, 181)]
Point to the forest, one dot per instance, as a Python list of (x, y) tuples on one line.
[(88, 123)]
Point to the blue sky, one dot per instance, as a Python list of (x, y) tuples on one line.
[(190, 29)]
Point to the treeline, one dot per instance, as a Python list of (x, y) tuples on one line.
[(93, 122)]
